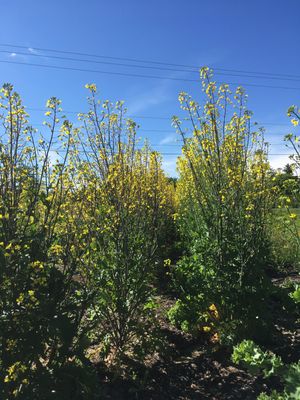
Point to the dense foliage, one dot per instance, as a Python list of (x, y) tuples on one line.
[(92, 232), (224, 200), (78, 244)]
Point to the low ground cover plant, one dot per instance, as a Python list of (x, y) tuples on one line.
[(257, 361)]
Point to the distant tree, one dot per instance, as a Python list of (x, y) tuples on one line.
[(288, 185), (288, 169)]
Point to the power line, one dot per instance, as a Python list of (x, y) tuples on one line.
[(174, 143), (142, 75), (152, 145), (158, 131), (258, 73), (151, 117), (143, 61), (179, 142), (147, 66), (162, 153), (98, 62), (101, 72), (78, 112)]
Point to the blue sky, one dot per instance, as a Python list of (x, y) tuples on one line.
[(252, 35)]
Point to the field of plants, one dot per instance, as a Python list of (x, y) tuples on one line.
[(119, 282)]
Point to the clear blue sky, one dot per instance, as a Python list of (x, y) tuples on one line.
[(257, 35)]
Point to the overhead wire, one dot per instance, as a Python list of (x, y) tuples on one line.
[(138, 60), (249, 75), (115, 73)]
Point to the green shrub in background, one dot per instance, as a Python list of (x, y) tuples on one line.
[(289, 200), (283, 233)]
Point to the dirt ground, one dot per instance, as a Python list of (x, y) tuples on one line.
[(196, 369)]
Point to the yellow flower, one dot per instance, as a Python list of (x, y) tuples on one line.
[(214, 310), (20, 299), (91, 86), (167, 262), (37, 264), (56, 249)]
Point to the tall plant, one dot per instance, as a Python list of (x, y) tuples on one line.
[(223, 205), (42, 305), (293, 141), (129, 205)]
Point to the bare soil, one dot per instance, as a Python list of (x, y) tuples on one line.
[(191, 368)]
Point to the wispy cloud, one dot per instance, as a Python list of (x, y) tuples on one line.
[(169, 165), (153, 97), (32, 50), (26, 57), (168, 139), (17, 56), (38, 53), (162, 92), (53, 157), (159, 94), (279, 161)]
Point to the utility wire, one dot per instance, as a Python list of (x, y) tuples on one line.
[(150, 117), (138, 60), (147, 66), (163, 153), (142, 75)]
